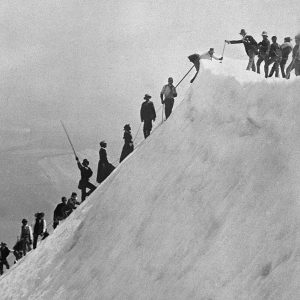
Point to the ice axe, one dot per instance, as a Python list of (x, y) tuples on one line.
[(185, 76), (223, 51), (62, 124)]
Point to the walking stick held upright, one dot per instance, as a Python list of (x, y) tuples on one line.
[(62, 124)]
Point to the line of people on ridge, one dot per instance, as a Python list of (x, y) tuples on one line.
[(28, 240), (270, 53), (29, 237)]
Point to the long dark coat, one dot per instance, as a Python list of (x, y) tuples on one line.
[(104, 167), (147, 111), (128, 145)]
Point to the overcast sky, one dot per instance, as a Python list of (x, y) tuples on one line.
[(62, 58)]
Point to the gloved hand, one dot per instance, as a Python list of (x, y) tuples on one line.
[(76, 158), (221, 58)]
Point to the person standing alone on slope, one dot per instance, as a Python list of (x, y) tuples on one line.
[(195, 59), (167, 95), (148, 115), (250, 46)]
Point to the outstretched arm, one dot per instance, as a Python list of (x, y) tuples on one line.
[(217, 58), (234, 42), (79, 164)]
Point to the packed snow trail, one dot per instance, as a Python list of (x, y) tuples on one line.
[(206, 208)]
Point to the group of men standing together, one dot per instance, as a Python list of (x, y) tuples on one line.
[(270, 53)]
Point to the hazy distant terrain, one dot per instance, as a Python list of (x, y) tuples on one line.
[(206, 208), (90, 64)]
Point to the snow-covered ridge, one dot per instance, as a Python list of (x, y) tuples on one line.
[(206, 208)]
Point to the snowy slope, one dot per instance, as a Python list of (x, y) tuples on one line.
[(206, 208)]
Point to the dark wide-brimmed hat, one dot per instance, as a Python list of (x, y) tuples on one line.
[(264, 33), (287, 39), (243, 31), (39, 215), (147, 97), (24, 221), (127, 127), (212, 50), (85, 162), (103, 143)]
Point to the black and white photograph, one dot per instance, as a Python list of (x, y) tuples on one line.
[(149, 150)]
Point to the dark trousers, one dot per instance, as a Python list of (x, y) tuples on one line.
[(84, 193), (251, 62), (282, 66), (275, 67), (3, 263), (297, 67), (262, 57), (35, 240), (18, 255), (147, 127), (55, 223), (168, 106), (26, 245)]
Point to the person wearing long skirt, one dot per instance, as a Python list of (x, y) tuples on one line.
[(128, 143), (104, 167)]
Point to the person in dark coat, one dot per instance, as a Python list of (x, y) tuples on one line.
[(104, 167), (286, 49), (18, 250), (128, 143), (71, 203), (39, 227), (148, 115), (250, 47), (26, 237), (60, 212), (274, 58), (86, 174), (264, 49), (4, 252)]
